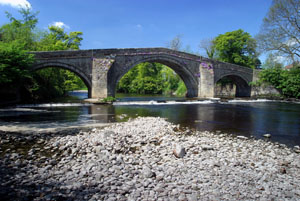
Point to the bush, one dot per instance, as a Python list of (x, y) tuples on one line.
[(286, 81)]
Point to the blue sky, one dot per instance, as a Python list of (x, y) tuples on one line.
[(141, 23)]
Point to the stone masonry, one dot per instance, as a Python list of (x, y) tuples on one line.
[(101, 69)]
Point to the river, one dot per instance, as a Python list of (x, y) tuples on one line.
[(238, 117)]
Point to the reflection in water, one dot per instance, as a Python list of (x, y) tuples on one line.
[(102, 113)]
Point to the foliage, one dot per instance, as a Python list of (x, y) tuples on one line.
[(271, 62), (55, 82), (20, 36), (57, 39), (154, 78), (286, 81), (20, 32), (237, 47), (151, 78), (14, 64), (181, 89), (280, 31), (109, 99)]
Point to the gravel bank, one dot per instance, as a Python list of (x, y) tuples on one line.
[(146, 159)]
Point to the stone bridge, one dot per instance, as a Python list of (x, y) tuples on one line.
[(101, 69)]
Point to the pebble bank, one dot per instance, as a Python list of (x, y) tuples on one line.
[(146, 159)]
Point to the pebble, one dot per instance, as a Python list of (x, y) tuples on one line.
[(138, 160), (179, 151), (267, 135)]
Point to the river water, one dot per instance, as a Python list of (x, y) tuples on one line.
[(239, 117)]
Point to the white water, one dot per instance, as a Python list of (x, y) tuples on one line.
[(163, 103), (53, 105)]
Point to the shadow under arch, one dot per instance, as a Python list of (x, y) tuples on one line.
[(187, 77), (65, 66), (243, 89)]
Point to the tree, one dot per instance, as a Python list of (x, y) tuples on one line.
[(20, 36), (287, 82), (272, 62), (175, 43), (20, 31), (58, 39), (237, 47), (151, 78), (208, 46), (280, 31), (14, 64)]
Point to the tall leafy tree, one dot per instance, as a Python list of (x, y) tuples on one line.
[(280, 31), (58, 39), (237, 47), (20, 36), (14, 64), (20, 31), (55, 82)]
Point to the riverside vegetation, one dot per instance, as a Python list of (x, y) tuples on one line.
[(144, 158), (238, 47)]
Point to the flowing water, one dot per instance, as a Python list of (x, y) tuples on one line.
[(240, 117)]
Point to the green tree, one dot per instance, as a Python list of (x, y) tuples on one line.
[(21, 35), (14, 64), (54, 82), (286, 81), (58, 39), (237, 47), (20, 31), (280, 31), (151, 78)]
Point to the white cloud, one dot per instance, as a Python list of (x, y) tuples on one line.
[(139, 27), (16, 3), (60, 25)]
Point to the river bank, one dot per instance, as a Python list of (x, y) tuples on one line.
[(145, 159)]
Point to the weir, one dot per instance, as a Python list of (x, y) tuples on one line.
[(101, 69)]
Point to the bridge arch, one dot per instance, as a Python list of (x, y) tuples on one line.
[(66, 66), (243, 89), (180, 68)]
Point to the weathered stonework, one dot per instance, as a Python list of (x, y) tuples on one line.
[(263, 89), (99, 77), (206, 81), (101, 69)]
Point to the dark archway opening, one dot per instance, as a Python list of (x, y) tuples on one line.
[(50, 83), (151, 78), (232, 86)]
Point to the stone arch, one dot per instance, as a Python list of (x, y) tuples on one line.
[(243, 89), (66, 66), (180, 68)]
